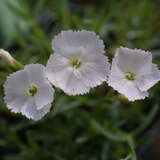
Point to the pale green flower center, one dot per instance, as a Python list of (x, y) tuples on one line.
[(32, 90), (130, 76), (76, 63)]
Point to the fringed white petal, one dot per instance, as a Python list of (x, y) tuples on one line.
[(68, 42), (86, 48), (145, 73), (17, 88)]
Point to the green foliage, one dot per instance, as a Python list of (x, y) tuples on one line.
[(99, 126)]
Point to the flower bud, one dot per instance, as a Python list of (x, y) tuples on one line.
[(9, 60)]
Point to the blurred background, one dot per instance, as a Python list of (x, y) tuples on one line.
[(102, 125)]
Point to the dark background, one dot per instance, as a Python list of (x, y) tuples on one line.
[(102, 125)]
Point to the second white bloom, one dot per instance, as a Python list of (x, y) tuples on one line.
[(78, 63)]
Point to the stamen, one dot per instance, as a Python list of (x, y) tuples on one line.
[(130, 76), (33, 90), (76, 63)]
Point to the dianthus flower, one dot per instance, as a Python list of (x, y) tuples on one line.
[(78, 62), (132, 73), (28, 92)]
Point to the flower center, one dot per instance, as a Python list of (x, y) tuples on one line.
[(76, 63), (130, 76), (33, 90)]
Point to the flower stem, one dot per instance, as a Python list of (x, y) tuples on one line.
[(16, 65), (130, 141)]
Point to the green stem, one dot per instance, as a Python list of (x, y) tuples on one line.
[(130, 141), (107, 134), (127, 158), (16, 65)]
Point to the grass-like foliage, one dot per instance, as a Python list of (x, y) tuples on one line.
[(101, 125)]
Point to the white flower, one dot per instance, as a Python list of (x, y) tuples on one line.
[(29, 92), (132, 73), (78, 63)]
